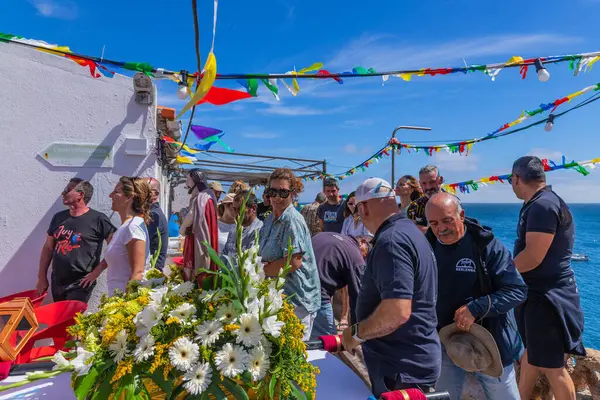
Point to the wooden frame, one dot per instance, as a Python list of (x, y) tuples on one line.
[(13, 314)]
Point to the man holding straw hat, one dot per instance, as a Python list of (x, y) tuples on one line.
[(478, 287)]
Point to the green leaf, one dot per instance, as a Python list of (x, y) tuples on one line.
[(214, 256), (70, 344), (158, 378), (272, 386), (235, 389), (86, 384), (247, 377), (297, 392), (216, 391), (103, 391)]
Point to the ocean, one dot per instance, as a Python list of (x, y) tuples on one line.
[(502, 218)]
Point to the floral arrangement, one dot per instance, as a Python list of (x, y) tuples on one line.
[(235, 337)]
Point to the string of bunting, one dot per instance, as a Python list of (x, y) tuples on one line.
[(465, 146), (219, 96), (549, 166)]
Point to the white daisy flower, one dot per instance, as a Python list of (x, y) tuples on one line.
[(145, 349), (197, 379), (209, 332), (232, 360), (258, 364), (118, 348), (184, 311), (183, 289), (60, 361), (226, 313), (272, 327), (183, 354), (249, 332), (80, 363)]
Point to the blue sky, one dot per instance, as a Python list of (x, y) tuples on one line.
[(346, 123)]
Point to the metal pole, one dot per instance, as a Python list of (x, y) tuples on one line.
[(415, 128)]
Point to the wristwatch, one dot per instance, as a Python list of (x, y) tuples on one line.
[(355, 334)]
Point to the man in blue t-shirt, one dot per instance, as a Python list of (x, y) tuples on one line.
[(331, 212), (551, 320), (396, 303), (478, 283)]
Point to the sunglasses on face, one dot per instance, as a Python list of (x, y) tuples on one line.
[(283, 193)]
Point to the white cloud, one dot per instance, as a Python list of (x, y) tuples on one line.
[(546, 153), (260, 135), (455, 162), (350, 148), (389, 52), (54, 9), (298, 111), (357, 123)]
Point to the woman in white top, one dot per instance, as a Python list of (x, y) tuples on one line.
[(226, 219), (353, 226), (128, 253)]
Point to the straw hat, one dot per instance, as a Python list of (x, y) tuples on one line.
[(474, 351), (228, 198), (216, 186)]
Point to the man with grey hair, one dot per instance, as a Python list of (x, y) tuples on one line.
[(310, 214), (431, 183), (551, 320), (395, 309), (477, 283), (158, 225)]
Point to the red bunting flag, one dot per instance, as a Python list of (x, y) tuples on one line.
[(220, 96)]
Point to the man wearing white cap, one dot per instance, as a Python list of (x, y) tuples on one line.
[(216, 188), (396, 303)]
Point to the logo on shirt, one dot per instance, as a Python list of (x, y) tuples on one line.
[(465, 265), (66, 240), (330, 216)]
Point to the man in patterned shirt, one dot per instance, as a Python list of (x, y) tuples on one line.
[(431, 183), (309, 212)]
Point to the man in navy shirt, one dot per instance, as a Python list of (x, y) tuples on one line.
[(478, 283), (158, 226), (340, 262), (551, 320), (396, 302)]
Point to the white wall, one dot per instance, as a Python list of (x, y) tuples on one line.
[(45, 99)]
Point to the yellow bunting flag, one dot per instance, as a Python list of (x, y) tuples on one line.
[(514, 60), (210, 73), (183, 160)]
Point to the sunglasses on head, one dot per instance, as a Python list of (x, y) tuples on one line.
[(283, 193)]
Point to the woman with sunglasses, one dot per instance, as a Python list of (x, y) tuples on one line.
[(353, 226), (284, 226), (409, 190)]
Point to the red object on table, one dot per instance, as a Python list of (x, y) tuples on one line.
[(5, 369), (405, 394), (332, 343), (178, 260), (58, 317), (30, 294)]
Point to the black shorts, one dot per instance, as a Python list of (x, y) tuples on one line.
[(71, 292), (542, 332)]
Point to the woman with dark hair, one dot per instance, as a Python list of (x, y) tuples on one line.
[(409, 190), (128, 253), (199, 225), (353, 226), (284, 226)]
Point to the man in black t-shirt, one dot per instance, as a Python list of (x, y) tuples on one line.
[(331, 213), (551, 320), (264, 209), (158, 226), (340, 263), (74, 244)]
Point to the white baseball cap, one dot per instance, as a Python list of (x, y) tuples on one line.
[(374, 188)]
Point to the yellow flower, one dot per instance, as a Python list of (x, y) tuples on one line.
[(231, 328), (123, 368), (172, 320)]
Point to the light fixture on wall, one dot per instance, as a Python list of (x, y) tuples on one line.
[(183, 91), (144, 89)]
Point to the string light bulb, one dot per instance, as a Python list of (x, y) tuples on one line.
[(543, 74), (550, 123), (183, 92)]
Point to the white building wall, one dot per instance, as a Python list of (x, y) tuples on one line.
[(44, 99)]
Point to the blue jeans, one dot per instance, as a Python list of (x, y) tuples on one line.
[(452, 380), (324, 323)]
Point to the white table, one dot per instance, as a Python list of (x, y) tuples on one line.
[(336, 381)]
